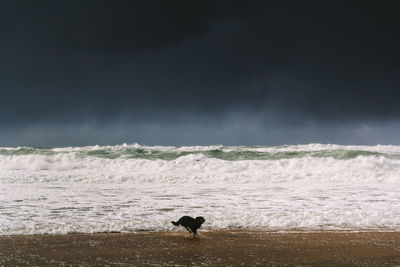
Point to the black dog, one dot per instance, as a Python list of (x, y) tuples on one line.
[(190, 224)]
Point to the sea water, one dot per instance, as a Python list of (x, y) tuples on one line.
[(129, 188)]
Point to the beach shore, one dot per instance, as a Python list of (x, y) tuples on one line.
[(212, 248)]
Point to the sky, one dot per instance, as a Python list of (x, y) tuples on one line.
[(199, 72)]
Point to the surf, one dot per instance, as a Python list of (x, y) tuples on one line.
[(136, 187)]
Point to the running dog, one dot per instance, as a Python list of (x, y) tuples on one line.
[(190, 224)]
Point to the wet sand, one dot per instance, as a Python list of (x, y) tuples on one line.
[(214, 248)]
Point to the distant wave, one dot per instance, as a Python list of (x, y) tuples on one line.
[(230, 153)]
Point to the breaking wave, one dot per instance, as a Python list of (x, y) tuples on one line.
[(134, 187)]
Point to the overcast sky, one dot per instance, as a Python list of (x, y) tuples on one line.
[(199, 72)]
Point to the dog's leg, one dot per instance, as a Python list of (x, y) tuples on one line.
[(194, 231), (187, 228)]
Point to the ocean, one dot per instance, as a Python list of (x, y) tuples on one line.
[(128, 188)]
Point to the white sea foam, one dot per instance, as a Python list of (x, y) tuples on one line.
[(84, 189)]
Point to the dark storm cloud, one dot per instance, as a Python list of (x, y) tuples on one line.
[(295, 61)]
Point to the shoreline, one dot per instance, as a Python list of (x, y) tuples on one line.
[(230, 230), (242, 247)]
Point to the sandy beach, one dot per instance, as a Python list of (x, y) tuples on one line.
[(213, 248)]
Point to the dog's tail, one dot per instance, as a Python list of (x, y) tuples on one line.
[(175, 223)]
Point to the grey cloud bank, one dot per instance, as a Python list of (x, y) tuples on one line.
[(235, 130)]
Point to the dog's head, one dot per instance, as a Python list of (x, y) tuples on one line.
[(200, 220)]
